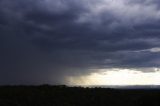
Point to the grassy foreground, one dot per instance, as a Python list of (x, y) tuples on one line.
[(76, 96)]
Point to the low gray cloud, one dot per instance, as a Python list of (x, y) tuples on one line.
[(44, 41)]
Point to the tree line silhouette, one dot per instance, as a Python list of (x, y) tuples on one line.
[(46, 95)]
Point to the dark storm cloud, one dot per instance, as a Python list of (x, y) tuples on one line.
[(44, 41)]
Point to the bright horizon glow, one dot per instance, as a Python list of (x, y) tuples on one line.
[(118, 77)]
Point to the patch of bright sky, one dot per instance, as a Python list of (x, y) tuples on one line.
[(118, 77)]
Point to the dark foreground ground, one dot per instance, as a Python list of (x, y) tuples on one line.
[(76, 96)]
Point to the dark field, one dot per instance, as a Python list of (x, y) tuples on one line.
[(76, 96)]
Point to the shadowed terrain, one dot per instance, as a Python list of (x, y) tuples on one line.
[(46, 95)]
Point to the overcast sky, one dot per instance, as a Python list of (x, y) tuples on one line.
[(45, 41)]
